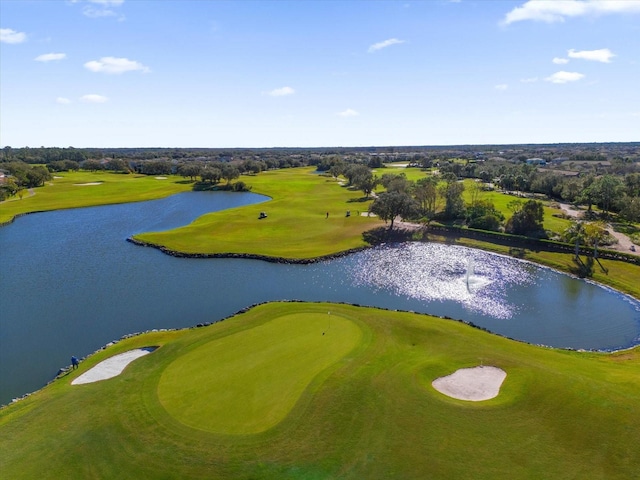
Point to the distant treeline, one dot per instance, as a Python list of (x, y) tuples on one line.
[(602, 174)]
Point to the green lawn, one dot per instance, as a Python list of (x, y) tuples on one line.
[(296, 226), (364, 408), (275, 361), (501, 200), (76, 189)]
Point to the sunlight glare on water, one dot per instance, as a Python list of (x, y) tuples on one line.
[(434, 272)]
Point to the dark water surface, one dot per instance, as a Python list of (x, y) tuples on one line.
[(70, 283)]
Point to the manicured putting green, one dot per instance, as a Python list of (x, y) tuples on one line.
[(248, 382)]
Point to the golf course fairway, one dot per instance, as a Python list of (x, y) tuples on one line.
[(248, 382), (265, 395)]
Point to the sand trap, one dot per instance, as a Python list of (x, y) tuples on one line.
[(397, 165), (161, 178), (87, 184), (111, 367), (473, 384)]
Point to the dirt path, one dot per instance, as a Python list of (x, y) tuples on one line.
[(31, 194), (570, 210), (624, 242)]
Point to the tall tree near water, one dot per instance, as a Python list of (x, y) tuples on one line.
[(390, 205)]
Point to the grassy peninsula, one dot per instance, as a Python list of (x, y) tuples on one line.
[(296, 227)]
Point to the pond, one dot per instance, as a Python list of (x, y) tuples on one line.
[(71, 283)]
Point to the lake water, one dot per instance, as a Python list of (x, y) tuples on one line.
[(70, 283)]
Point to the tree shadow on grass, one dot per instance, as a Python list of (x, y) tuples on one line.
[(582, 269)]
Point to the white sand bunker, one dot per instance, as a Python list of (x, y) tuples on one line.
[(111, 367), (161, 178), (473, 384), (87, 184)]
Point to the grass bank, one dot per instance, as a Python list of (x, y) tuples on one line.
[(296, 227), (88, 189), (367, 410)]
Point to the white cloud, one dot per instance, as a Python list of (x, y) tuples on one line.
[(560, 61), (282, 92), (529, 80), (113, 65), (108, 3), (558, 10), (92, 12), (603, 55), (564, 77), (49, 57), (349, 113), (502, 86), (11, 36), (100, 8), (63, 101), (93, 98), (387, 43)]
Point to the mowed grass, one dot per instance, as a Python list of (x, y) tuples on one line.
[(258, 374), (296, 227), (75, 189), (370, 413)]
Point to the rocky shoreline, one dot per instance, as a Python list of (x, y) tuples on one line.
[(249, 256)]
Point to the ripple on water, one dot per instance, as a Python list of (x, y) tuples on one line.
[(434, 272)]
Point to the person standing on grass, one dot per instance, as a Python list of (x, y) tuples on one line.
[(74, 362)]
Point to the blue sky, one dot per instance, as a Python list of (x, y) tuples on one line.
[(134, 73)]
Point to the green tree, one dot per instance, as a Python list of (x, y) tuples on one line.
[(366, 182), (608, 190), (390, 205), (336, 170), (210, 174), (454, 203), (527, 221), (191, 170), (36, 176), (484, 215), (574, 234), (92, 165), (396, 182), (355, 170), (631, 209), (426, 194), (229, 172), (117, 165)]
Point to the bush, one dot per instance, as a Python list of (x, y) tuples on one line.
[(486, 222), (240, 186)]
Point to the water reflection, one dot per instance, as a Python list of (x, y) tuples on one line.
[(435, 272)]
